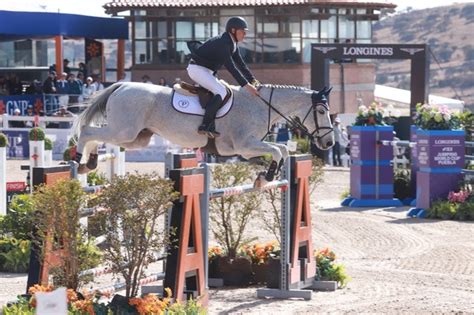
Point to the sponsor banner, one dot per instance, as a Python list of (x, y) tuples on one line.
[(9, 103), (14, 188)]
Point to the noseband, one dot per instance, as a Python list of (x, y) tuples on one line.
[(316, 102)]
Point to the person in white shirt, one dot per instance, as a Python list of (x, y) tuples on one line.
[(88, 89)]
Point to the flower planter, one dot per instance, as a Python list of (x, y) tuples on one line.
[(3, 180), (371, 174), (273, 272), (440, 162), (259, 273), (120, 306), (236, 272)]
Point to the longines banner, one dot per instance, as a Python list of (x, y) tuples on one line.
[(384, 51)]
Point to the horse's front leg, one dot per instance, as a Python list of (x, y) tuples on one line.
[(257, 148), (284, 152)]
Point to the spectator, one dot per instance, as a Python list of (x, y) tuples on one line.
[(336, 149), (14, 85), (75, 89), (14, 123), (62, 88), (49, 85), (29, 113), (3, 86), (88, 89), (146, 79), (98, 83), (82, 69), (66, 66), (163, 82), (63, 112)]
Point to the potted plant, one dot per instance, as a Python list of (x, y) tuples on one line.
[(36, 143), (328, 270), (3, 140), (229, 217), (48, 151)]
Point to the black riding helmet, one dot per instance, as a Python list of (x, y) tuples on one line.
[(236, 22)]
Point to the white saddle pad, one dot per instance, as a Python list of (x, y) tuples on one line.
[(190, 105)]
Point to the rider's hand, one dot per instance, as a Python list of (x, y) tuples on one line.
[(251, 89)]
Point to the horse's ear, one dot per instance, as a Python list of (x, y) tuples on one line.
[(328, 90)]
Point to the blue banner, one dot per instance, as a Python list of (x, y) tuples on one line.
[(18, 144), (21, 102)]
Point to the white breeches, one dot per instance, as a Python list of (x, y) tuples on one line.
[(204, 77)]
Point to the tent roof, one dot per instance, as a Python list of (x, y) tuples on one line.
[(17, 25)]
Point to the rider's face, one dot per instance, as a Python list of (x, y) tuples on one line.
[(240, 35)]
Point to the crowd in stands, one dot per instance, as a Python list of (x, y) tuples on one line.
[(66, 90)]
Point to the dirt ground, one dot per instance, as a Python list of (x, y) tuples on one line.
[(397, 264)]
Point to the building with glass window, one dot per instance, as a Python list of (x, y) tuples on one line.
[(277, 47)]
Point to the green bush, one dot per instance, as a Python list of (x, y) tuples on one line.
[(36, 134), (48, 144), (20, 219), (67, 154), (3, 140), (465, 211), (17, 258), (442, 209), (95, 178)]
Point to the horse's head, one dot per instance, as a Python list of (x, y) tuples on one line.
[(323, 134)]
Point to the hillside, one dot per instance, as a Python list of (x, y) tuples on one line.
[(449, 31)]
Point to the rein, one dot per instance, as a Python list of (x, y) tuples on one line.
[(295, 123)]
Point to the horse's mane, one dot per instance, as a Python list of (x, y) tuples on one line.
[(290, 87)]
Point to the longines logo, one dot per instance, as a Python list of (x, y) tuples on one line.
[(368, 51), (183, 103)]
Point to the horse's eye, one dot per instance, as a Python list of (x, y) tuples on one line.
[(321, 112)]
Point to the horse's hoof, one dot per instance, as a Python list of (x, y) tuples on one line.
[(83, 169)]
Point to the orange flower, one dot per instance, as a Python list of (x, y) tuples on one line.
[(71, 295), (86, 306)]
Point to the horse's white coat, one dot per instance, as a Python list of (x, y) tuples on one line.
[(134, 111)]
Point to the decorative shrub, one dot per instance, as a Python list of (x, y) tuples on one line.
[(230, 215), (370, 116), (57, 220), (20, 219), (137, 203), (94, 178), (3, 140), (259, 253), (442, 209), (431, 117), (17, 257), (328, 270), (36, 134), (48, 144)]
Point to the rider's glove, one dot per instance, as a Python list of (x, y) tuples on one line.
[(255, 82)]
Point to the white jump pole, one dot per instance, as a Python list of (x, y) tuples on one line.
[(115, 159), (36, 157), (3, 180)]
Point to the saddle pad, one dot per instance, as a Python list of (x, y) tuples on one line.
[(190, 105)]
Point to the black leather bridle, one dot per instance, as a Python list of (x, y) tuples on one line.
[(318, 99)]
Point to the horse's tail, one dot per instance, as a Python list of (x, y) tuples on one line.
[(95, 112)]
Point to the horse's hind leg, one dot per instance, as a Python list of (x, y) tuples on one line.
[(103, 134)]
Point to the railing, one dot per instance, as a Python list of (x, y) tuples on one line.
[(43, 121)]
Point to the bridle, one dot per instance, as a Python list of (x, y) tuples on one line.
[(317, 100)]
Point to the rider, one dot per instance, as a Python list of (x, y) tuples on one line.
[(209, 57)]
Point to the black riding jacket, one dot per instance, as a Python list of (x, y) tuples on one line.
[(217, 52)]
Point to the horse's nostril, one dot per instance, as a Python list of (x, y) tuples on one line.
[(329, 144)]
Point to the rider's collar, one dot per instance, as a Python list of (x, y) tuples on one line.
[(233, 41)]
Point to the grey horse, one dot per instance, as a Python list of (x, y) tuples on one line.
[(128, 114)]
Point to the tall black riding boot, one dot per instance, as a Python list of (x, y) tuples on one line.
[(208, 126)]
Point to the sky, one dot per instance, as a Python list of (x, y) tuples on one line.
[(94, 7)]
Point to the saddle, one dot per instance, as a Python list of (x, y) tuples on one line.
[(204, 94)]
